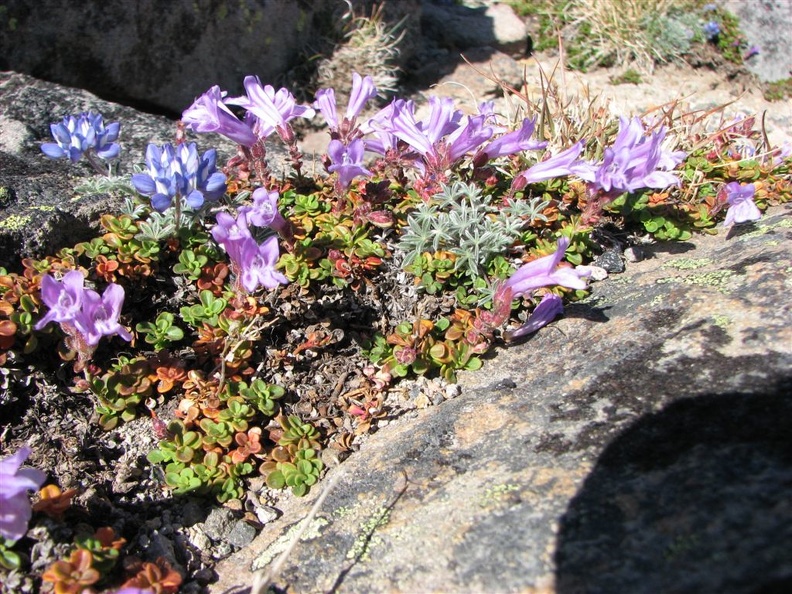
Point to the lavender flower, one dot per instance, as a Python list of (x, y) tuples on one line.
[(82, 313), (742, 207), (64, 298), (550, 307), (264, 211), (99, 315), (273, 110), (636, 161), (347, 160), (564, 163), (514, 142), (231, 233), (363, 90), (175, 173), (256, 265), (15, 510), (84, 134), (208, 113), (545, 272), (752, 51)]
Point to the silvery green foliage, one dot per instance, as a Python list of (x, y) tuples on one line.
[(157, 226), (106, 185), (459, 219), (133, 208)]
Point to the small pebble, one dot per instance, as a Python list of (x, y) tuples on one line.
[(634, 254)]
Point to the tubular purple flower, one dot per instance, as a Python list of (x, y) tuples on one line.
[(402, 124), (273, 109), (564, 163), (363, 90), (264, 211), (208, 113), (550, 307), (545, 272), (514, 142), (326, 104), (466, 138), (15, 482), (636, 161), (742, 207), (99, 315), (257, 265), (64, 298), (230, 230), (347, 161)]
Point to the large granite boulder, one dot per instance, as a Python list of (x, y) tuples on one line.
[(639, 444), (152, 53), (766, 24)]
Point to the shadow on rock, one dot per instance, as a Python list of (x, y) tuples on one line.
[(695, 498)]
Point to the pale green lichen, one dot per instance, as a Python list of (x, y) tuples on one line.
[(496, 494), (687, 263), (721, 321), (657, 300), (366, 539), (43, 208), (764, 229), (716, 279), (14, 222)]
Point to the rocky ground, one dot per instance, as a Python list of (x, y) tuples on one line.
[(636, 445)]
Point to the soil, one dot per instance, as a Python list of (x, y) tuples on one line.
[(116, 486)]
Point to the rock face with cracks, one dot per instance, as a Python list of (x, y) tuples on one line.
[(639, 444)]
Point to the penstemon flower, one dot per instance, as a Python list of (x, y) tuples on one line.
[(742, 207), (15, 482), (346, 130), (84, 134), (83, 314), (550, 307), (208, 113), (347, 161), (546, 272), (567, 162)]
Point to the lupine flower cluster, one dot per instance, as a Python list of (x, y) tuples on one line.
[(82, 313), (83, 134), (179, 172), (15, 482)]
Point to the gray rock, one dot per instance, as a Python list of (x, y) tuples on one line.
[(152, 54), (219, 523), (241, 535), (766, 23), (639, 444), (462, 27)]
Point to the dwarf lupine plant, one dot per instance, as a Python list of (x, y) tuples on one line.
[(84, 135), (177, 173)]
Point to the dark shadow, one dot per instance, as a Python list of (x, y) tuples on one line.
[(695, 498)]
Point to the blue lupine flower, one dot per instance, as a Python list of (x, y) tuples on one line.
[(711, 30), (84, 134), (180, 173)]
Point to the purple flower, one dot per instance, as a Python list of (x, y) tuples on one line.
[(636, 161), (545, 272), (130, 590), (347, 161), (550, 307), (742, 207), (711, 30), (232, 233), (208, 113), (264, 211), (83, 134), (363, 90), (257, 265), (752, 51), (82, 310), (99, 315), (175, 173), (273, 110), (514, 142), (15, 508), (64, 298), (564, 163)]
